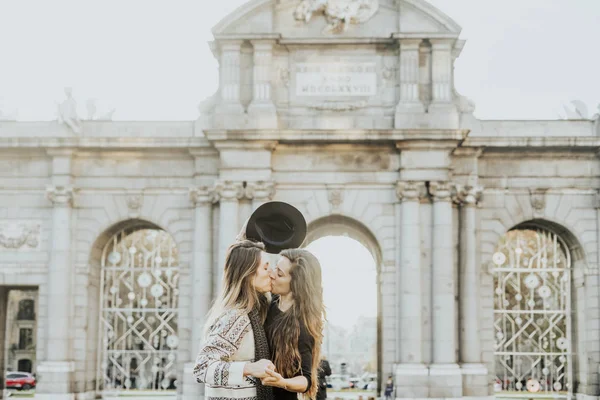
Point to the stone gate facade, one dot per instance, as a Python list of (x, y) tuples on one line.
[(346, 109)]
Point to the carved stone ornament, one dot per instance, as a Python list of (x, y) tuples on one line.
[(335, 196), (134, 204), (338, 13), (17, 235), (538, 201)]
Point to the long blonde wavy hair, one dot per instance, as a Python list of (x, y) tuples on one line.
[(237, 291), (307, 309)]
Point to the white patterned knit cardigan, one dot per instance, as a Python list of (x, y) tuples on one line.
[(220, 363)]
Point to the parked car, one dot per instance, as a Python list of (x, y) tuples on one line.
[(20, 380)]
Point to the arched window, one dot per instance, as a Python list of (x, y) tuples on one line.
[(139, 310), (532, 313)]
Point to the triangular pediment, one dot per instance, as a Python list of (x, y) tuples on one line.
[(277, 17)]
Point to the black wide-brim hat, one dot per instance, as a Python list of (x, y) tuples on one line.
[(278, 225)]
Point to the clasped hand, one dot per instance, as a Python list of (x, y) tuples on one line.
[(265, 371)]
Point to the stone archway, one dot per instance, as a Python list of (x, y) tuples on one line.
[(538, 274), (337, 225), (126, 264)]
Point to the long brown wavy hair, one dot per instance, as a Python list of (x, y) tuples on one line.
[(238, 292), (307, 309)]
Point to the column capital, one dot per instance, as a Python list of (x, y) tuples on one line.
[(263, 44), (442, 43), (228, 190), (260, 190), (61, 196), (230, 44), (203, 195), (410, 190), (410, 44), (468, 195), (441, 190)]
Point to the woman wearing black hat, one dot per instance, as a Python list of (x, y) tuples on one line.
[(294, 325)]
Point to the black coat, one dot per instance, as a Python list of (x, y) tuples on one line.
[(324, 370)]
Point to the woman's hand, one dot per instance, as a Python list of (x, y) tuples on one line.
[(274, 379), (259, 369), (242, 235)]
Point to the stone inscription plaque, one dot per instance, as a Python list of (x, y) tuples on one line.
[(336, 79)]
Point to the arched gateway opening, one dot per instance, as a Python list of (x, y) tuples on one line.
[(349, 256), (138, 309), (533, 270)]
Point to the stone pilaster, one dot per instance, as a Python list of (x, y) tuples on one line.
[(56, 368), (228, 193), (202, 199), (445, 374), (470, 346), (410, 102), (475, 374), (262, 110), (229, 77), (411, 373)]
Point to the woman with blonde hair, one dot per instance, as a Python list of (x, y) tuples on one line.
[(234, 334), (294, 325)]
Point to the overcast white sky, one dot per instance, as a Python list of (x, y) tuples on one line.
[(149, 59), (349, 279)]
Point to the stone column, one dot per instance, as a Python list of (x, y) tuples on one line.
[(411, 373), (410, 102), (229, 193), (473, 370), (470, 346), (444, 315), (261, 109), (57, 367), (202, 277), (229, 77)]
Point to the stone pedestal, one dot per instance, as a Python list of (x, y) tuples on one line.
[(445, 381), (475, 380), (409, 110), (262, 111), (55, 380), (442, 110), (192, 390), (229, 112), (411, 381)]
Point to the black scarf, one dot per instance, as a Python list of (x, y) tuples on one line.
[(261, 351)]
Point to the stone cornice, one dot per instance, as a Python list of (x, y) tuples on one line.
[(337, 136)]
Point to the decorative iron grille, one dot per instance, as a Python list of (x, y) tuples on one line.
[(139, 308), (532, 321)]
